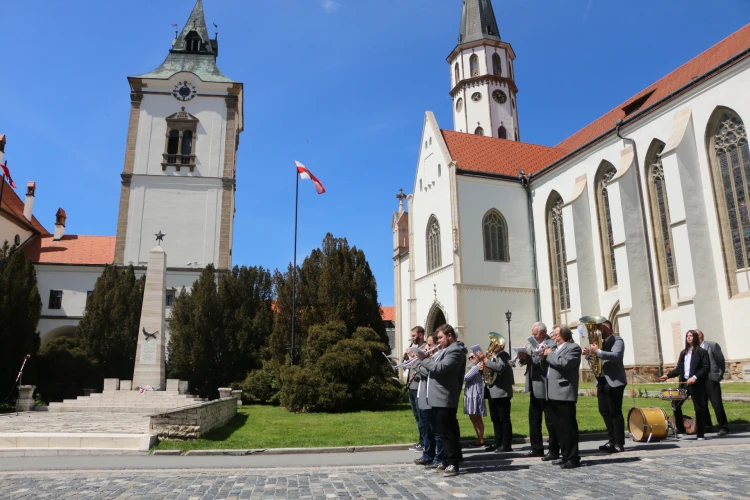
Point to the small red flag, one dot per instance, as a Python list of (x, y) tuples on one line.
[(305, 173), (6, 175)]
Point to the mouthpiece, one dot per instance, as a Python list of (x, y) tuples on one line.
[(28, 355)]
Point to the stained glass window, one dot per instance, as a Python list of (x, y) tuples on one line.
[(605, 175), (495, 233), (433, 244), (661, 222), (558, 257)]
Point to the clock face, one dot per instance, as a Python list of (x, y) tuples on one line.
[(184, 91), (459, 105), (499, 96), (476, 97)]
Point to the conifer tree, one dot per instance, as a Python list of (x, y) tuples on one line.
[(108, 330), (20, 309)]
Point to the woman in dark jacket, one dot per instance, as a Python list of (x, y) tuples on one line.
[(692, 369)]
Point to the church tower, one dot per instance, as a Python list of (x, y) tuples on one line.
[(482, 79), (180, 157)]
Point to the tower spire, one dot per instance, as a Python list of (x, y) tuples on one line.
[(194, 36), (478, 22)]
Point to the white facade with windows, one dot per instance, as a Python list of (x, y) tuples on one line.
[(644, 221)]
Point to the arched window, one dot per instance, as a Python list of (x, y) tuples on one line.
[(502, 133), (660, 221), (479, 131), (557, 258), (497, 65), (457, 73), (433, 244), (474, 65), (495, 235), (605, 174), (729, 157)]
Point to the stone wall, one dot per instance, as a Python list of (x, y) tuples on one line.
[(194, 421)]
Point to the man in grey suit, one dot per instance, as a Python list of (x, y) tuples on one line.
[(562, 393), (536, 386), (501, 392), (412, 380), (610, 387), (713, 384), (444, 382)]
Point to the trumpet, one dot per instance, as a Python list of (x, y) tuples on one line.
[(411, 362)]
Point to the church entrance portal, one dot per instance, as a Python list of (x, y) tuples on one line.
[(437, 318)]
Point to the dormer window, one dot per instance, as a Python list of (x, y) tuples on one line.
[(181, 135), (193, 42)]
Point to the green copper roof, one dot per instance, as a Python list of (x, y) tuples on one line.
[(192, 51), (478, 22)]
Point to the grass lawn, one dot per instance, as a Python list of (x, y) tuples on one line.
[(274, 427), (726, 388)]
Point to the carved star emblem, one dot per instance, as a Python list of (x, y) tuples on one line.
[(160, 237)]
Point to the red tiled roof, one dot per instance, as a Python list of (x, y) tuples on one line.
[(72, 249), (478, 153), (722, 51), (388, 313), (13, 207)]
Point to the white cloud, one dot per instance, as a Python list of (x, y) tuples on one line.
[(330, 6)]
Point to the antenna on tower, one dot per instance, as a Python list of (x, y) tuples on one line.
[(175, 31), (217, 30)]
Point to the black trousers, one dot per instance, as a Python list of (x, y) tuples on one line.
[(610, 408), (537, 408), (697, 393), (500, 414), (566, 426), (713, 391), (447, 428)]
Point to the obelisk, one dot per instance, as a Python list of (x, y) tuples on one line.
[(150, 368)]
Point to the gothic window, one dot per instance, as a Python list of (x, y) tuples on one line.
[(457, 73), (603, 176), (433, 244), (729, 157), (557, 258), (495, 235), (181, 136), (474, 65), (502, 133), (660, 221), (479, 131), (497, 66)]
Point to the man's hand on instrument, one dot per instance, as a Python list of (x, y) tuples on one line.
[(547, 352), (585, 351), (523, 355), (594, 348), (663, 378), (421, 355)]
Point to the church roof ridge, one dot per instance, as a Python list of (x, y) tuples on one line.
[(185, 58), (478, 22)]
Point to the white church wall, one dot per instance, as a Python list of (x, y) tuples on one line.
[(433, 289), (9, 230), (403, 305)]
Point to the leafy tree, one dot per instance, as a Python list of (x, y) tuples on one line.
[(20, 309), (108, 330), (218, 332), (65, 369)]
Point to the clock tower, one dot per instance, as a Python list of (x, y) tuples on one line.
[(483, 86), (180, 157)]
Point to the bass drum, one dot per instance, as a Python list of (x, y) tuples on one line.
[(647, 424)]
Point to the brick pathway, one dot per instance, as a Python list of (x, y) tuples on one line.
[(43, 421), (721, 471)]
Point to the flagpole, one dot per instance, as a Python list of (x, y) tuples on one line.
[(294, 263), (2, 188)]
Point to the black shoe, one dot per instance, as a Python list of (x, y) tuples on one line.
[(550, 457), (491, 447), (534, 454), (421, 461), (608, 447), (618, 448), (570, 464), (503, 449), (559, 462), (722, 432)]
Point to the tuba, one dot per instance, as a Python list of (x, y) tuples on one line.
[(497, 344), (595, 337)]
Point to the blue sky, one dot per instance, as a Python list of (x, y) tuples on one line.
[(341, 85)]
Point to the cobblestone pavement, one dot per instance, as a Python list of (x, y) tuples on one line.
[(720, 471), (43, 421)]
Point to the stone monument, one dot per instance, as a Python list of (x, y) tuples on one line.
[(150, 369)]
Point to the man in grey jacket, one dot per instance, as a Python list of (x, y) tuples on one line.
[(610, 387), (713, 384), (444, 382), (412, 381), (536, 386), (501, 392), (562, 393)]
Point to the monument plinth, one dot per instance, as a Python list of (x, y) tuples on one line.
[(150, 357)]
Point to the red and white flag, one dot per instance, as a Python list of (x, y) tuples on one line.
[(304, 173), (6, 175)]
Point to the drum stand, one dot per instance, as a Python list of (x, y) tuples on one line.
[(672, 424)]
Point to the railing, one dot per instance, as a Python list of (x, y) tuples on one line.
[(178, 161)]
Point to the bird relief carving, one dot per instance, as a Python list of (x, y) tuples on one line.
[(150, 335)]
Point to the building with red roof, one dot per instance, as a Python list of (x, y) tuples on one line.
[(640, 217)]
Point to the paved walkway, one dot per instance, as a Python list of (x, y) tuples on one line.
[(706, 471), (64, 422)]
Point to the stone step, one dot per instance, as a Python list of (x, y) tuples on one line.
[(112, 409), (16, 440)]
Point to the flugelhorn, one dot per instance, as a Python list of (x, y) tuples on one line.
[(409, 363)]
